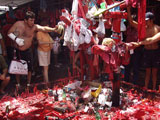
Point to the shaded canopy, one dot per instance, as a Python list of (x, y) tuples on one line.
[(14, 3)]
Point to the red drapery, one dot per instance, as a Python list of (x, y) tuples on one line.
[(141, 20)]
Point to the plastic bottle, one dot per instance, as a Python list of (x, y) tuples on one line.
[(98, 117)]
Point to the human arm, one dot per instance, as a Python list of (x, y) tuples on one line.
[(45, 28), (13, 33), (130, 19), (133, 45), (151, 40)]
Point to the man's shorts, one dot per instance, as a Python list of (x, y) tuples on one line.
[(152, 58), (27, 56), (44, 58)]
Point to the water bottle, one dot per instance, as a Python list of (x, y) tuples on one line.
[(98, 117)]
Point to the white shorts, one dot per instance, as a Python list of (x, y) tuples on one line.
[(44, 58)]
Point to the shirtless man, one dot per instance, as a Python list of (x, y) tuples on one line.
[(151, 50), (22, 33), (151, 59)]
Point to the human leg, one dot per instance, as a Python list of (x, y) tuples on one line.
[(155, 64), (45, 74), (4, 84), (28, 57), (44, 60), (147, 76), (154, 77), (18, 80), (29, 77), (148, 65)]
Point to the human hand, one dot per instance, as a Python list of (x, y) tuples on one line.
[(132, 45), (136, 44), (20, 41)]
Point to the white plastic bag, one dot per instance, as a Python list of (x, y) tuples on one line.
[(74, 85), (88, 36), (81, 38), (100, 30), (123, 26), (75, 38), (68, 33), (74, 10), (18, 67)]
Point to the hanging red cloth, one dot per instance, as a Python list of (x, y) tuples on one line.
[(132, 2), (52, 19), (57, 14), (9, 19), (141, 20), (82, 9)]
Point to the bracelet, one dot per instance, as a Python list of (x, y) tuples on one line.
[(15, 38)]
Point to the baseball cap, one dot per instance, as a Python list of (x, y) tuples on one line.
[(149, 16)]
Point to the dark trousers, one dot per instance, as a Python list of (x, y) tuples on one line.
[(133, 66)]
